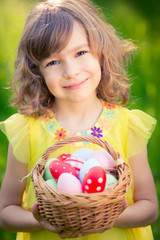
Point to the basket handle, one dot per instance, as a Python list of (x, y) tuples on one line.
[(104, 144)]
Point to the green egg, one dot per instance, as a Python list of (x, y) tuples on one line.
[(52, 183), (111, 181), (47, 174)]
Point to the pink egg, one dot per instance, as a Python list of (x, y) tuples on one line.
[(58, 167), (76, 162), (69, 183), (104, 158), (94, 181)]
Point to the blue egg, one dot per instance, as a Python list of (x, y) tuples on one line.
[(83, 153), (86, 167)]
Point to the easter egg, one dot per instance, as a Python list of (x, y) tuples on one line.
[(47, 174), (86, 167), (76, 162), (94, 181), (63, 156), (83, 153), (52, 183), (104, 158), (58, 167), (69, 183), (111, 181)]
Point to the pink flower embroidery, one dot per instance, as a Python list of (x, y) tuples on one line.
[(104, 124)]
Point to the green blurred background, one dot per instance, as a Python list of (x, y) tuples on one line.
[(136, 20)]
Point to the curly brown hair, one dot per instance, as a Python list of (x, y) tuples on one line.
[(48, 29)]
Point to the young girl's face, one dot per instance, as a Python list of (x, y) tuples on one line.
[(73, 74)]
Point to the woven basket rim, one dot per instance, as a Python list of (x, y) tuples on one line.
[(103, 143), (40, 167)]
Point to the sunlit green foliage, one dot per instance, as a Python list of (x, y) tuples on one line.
[(137, 20)]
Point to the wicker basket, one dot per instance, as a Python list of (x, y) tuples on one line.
[(84, 213)]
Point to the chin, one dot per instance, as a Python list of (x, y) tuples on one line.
[(79, 99)]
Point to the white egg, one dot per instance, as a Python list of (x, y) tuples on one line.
[(87, 166), (83, 153)]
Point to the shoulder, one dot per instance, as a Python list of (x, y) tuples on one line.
[(137, 118), (15, 118), (16, 129), (19, 124)]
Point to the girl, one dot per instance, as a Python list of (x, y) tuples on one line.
[(70, 80)]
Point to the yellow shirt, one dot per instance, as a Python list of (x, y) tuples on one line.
[(128, 131)]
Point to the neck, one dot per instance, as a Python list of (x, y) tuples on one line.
[(78, 116)]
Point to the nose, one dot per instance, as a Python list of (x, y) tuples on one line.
[(71, 70)]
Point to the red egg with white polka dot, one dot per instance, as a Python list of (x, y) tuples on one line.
[(76, 162), (63, 156), (58, 167), (94, 181)]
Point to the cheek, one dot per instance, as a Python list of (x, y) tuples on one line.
[(94, 67), (51, 82), (97, 71), (51, 87)]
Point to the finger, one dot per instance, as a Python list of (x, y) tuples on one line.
[(79, 234), (70, 234), (35, 212)]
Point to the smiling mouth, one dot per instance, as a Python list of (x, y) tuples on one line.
[(75, 86)]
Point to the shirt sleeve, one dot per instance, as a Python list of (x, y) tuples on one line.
[(140, 129), (16, 128)]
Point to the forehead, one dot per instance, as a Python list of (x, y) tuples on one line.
[(78, 39)]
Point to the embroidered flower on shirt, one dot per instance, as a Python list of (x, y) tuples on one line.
[(101, 128), (96, 132), (109, 106), (71, 134), (60, 134), (85, 133), (51, 126), (45, 118), (109, 113), (104, 124)]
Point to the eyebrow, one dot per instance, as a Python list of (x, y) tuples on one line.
[(80, 46), (70, 50)]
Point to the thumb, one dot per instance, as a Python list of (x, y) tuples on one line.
[(35, 212)]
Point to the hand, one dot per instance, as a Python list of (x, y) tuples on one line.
[(79, 234), (75, 234), (44, 224), (124, 207)]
